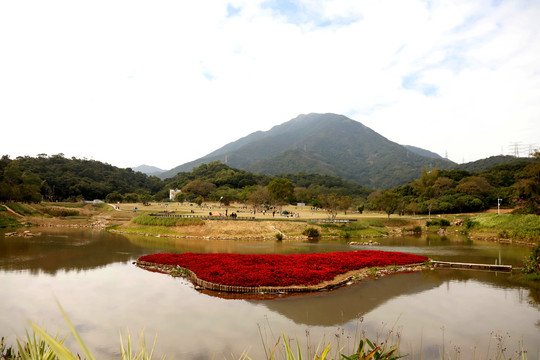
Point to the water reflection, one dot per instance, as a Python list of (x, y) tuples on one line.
[(332, 308), (65, 249), (70, 249), (107, 294)]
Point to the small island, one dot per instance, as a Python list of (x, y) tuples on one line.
[(272, 273)]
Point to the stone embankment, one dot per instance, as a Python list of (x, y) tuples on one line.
[(96, 224), (215, 237), (26, 233), (366, 243)]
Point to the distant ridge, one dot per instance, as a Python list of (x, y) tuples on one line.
[(148, 170), (488, 163), (327, 144)]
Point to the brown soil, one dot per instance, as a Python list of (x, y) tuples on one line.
[(233, 229)]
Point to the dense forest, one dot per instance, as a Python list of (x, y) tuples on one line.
[(514, 185), (56, 178)]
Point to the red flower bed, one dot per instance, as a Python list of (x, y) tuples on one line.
[(280, 270)]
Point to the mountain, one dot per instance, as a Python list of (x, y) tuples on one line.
[(148, 170), (423, 152), (490, 162), (327, 144)]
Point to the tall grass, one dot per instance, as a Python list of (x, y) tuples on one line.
[(61, 212), (65, 204), (370, 227), (7, 221), (509, 225), (41, 346), (22, 209)]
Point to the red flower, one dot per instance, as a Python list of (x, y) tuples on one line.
[(280, 270)]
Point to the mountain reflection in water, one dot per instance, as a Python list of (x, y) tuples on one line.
[(91, 274)]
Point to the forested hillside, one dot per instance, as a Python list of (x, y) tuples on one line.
[(55, 178), (515, 185)]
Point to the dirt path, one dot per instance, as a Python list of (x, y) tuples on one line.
[(12, 211)]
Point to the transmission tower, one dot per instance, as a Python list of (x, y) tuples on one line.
[(518, 149)]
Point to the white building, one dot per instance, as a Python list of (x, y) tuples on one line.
[(173, 192)]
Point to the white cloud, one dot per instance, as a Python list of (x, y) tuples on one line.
[(131, 82)]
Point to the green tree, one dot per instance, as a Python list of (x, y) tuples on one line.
[(199, 188), (527, 188), (388, 202), (442, 185), (180, 197), (259, 196), (329, 202), (225, 195), (13, 173), (474, 185), (301, 194), (413, 208), (281, 190), (344, 203), (424, 185), (114, 197), (131, 198)]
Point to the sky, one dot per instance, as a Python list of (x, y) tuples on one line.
[(165, 82)]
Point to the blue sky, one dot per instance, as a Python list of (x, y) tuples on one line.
[(163, 83)]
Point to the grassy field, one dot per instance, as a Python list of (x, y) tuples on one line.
[(508, 226), (304, 212), (267, 224)]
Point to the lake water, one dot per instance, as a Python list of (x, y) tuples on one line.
[(91, 274)]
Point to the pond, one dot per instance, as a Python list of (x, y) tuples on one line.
[(91, 274)]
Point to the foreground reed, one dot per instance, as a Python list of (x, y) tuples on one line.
[(39, 345)]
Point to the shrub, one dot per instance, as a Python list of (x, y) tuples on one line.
[(532, 263), (438, 222), (417, 229), (311, 232), (60, 212), (469, 224), (6, 221), (279, 236)]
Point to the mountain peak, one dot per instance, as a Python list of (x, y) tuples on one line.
[(148, 169), (328, 144)]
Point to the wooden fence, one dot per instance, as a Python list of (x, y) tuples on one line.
[(489, 267)]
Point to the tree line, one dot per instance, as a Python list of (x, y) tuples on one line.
[(515, 185), (56, 178)]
